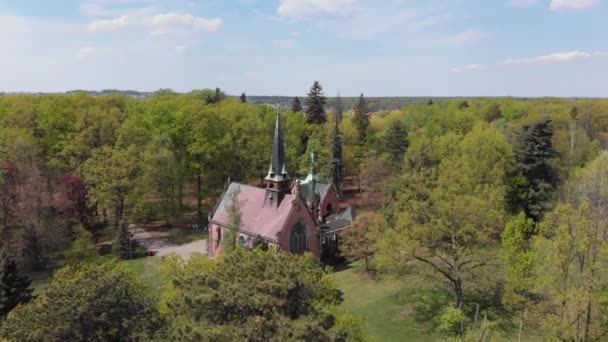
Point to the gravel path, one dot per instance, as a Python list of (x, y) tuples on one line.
[(156, 242)]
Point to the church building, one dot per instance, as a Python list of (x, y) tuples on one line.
[(293, 215)]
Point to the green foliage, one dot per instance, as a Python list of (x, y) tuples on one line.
[(82, 247), (451, 321), (243, 98), (315, 105), (449, 213), (296, 106), (336, 165), (252, 295), (14, 287), (395, 141), (534, 154), (360, 118), (124, 246), (113, 175), (357, 241), (85, 302)]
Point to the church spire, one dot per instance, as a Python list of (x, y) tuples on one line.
[(277, 171)]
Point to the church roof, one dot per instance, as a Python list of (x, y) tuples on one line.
[(278, 162), (257, 217)]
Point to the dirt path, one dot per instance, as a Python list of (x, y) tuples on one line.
[(157, 243)]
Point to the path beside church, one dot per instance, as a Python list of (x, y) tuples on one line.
[(156, 242)]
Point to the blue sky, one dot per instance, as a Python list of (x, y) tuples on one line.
[(279, 47)]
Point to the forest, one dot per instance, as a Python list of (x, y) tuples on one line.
[(496, 208)]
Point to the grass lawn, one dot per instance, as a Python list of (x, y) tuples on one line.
[(383, 306)]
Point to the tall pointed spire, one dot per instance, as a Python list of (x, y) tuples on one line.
[(277, 171)]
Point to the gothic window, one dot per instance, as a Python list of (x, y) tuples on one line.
[(299, 239), (219, 237), (329, 208)]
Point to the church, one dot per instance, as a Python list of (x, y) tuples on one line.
[(293, 215)]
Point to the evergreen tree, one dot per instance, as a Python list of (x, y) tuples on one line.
[(396, 141), (339, 109), (430, 102), (123, 244), (536, 178), (296, 106), (243, 98), (360, 119), (14, 288), (336, 166), (315, 111)]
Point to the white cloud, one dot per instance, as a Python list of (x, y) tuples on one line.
[(565, 5), (283, 43), (553, 58), (470, 67), (522, 3), (180, 49), (466, 37), (90, 52), (169, 22), (302, 8), (296, 34), (108, 25)]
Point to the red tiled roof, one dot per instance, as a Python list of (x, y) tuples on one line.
[(257, 217)]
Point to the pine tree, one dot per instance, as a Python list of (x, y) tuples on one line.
[(336, 166), (396, 141), (537, 177), (360, 119), (315, 111), (296, 106), (243, 98), (430, 102), (123, 245), (339, 109), (14, 288)]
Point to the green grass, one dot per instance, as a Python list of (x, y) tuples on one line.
[(383, 306)]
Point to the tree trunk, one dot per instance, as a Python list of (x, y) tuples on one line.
[(458, 292)]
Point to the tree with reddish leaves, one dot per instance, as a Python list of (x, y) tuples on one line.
[(71, 199)]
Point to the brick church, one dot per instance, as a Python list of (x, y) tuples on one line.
[(293, 215)]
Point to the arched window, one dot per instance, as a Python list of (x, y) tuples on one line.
[(299, 239), (219, 237), (329, 209)]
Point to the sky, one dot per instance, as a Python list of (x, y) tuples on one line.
[(279, 47)]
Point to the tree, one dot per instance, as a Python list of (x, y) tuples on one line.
[(243, 98), (82, 247), (339, 109), (572, 250), (315, 103), (251, 295), (448, 214), (86, 302), (123, 242), (518, 258), (71, 199), (396, 141), (357, 242), (534, 156), (336, 166), (296, 106), (14, 287), (360, 118), (112, 175), (493, 113)]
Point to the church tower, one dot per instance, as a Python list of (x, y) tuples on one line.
[(277, 181)]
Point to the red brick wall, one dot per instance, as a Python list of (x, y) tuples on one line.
[(298, 213), (330, 197)]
